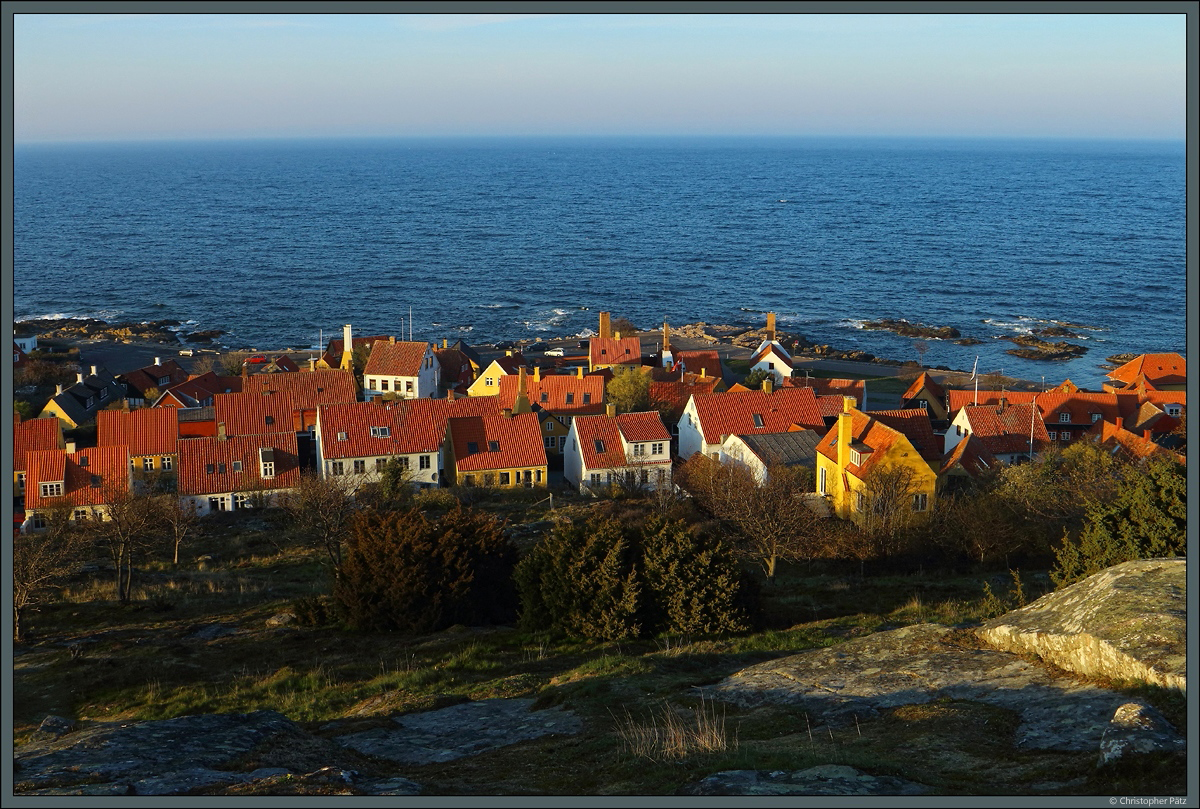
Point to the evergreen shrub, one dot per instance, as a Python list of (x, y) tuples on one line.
[(403, 570), (609, 580)]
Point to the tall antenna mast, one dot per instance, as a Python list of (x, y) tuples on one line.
[(410, 324)]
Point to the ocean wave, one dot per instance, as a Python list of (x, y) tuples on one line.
[(586, 333)]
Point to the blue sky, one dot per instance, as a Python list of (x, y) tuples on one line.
[(135, 77)]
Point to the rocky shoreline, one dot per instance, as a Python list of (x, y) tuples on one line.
[(86, 328)]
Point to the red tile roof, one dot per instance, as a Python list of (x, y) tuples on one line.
[(1133, 445), (401, 358), (830, 387), (551, 393), (600, 439), (674, 394), (693, 361), (377, 429), (611, 351), (971, 456), (518, 442), (198, 390), (254, 413), (1159, 369), (731, 413), (916, 427), (196, 455), (1007, 430), (151, 376), (149, 431), (89, 476), (308, 389), (869, 432), (33, 435), (924, 382), (456, 367), (333, 355)]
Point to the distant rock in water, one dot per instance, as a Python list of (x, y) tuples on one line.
[(1035, 348), (906, 329)]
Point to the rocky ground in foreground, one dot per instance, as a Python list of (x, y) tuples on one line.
[(969, 717)]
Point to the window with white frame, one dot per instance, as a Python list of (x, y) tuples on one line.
[(505, 478), (488, 381), (920, 502), (403, 462), (1065, 435), (360, 466), (341, 436), (241, 500), (1064, 418), (408, 386), (1095, 417), (548, 441), (860, 501), (51, 490), (383, 384), (147, 464), (37, 521), (237, 466), (337, 468), (595, 477), (381, 432), (639, 450), (549, 425), (217, 504), (423, 461), (1053, 435), (166, 463), (656, 449), (821, 481), (268, 469), (380, 463), (1172, 410)]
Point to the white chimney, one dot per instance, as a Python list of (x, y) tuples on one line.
[(158, 360), (79, 378), (93, 370)]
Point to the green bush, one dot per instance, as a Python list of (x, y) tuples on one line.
[(1146, 520), (402, 570), (609, 580)]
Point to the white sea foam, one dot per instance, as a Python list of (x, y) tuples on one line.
[(586, 333)]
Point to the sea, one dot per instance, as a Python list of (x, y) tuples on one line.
[(279, 243)]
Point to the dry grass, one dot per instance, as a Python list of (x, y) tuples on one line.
[(669, 736)]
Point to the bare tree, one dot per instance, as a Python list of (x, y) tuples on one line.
[(772, 521), (180, 519), (42, 560), (127, 532), (319, 510), (885, 505)]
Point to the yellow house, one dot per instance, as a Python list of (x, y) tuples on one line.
[(878, 464), (488, 382), (505, 451)]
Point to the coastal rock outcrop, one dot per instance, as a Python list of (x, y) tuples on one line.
[(1125, 623), (1035, 348), (907, 329)]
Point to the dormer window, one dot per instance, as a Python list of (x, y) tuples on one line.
[(1064, 418), (237, 466), (51, 489), (164, 380), (104, 393), (381, 432), (587, 398), (266, 460)]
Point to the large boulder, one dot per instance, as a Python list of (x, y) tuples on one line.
[(1128, 622)]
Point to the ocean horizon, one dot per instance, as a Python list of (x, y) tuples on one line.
[(279, 241)]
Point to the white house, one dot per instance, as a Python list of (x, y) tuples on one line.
[(709, 418), (360, 438), (633, 448), (408, 369)]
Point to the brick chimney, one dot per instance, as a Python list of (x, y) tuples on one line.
[(347, 363), (1120, 422), (220, 431), (604, 327), (1146, 434)]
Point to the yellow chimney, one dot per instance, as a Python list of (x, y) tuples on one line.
[(579, 372), (768, 385), (666, 337), (770, 325), (844, 427), (347, 363), (392, 339), (604, 328), (703, 372), (445, 343), (610, 410), (537, 373)]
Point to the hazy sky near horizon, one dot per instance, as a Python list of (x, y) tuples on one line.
[(82, 77)]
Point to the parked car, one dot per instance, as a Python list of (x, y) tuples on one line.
[(583, 344), (186, 352), (505, 344), (539, 346), (554, 352)]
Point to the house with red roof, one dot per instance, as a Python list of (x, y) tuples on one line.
[(149, 434), (32, 435), (19, 356), (229, 472), (504, 450), (1132, 446), (703, 362), (360, 438), (709, 418), (1010, 432), (405, 368), (671, 396), (198, 390), (457, 371), (557, 399), (85, 481), (487, 383), (609, 352), (1157, 371), (144, 385), (926, 393), (306, 392), (336, 357), (862, 443), (632, 449), (969, 461)]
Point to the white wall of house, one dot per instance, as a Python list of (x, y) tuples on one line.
[(421, 386), (735, 451), (217, 502), (691, 437), (423, 466), (775, 363)]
